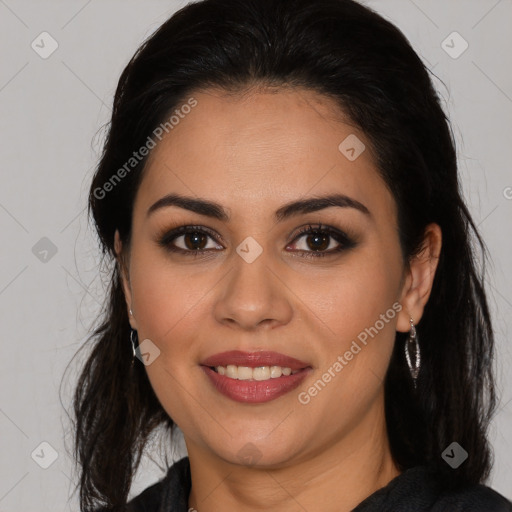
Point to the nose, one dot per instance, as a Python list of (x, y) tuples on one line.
[(254, 296)]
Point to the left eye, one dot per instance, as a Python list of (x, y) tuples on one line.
[(319, 239), (192, 237)]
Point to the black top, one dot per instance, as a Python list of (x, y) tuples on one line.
[(415, 490)]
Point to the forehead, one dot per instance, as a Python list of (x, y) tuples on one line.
[(260, 149)]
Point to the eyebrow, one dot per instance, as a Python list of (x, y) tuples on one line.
[(216, 211)]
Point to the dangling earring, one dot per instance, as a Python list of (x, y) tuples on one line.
[(134, 340), (412, 343)]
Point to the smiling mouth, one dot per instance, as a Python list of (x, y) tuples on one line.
[(253, 385), (254, 377)]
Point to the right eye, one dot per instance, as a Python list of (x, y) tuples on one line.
[(193, 240)]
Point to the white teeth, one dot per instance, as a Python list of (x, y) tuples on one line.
[(259, 373), (275, 371), (232, 371), (244, 373)]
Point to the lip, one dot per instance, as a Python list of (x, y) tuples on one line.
[(253, 391), (254, 359)]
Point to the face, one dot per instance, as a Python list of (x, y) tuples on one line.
[(251, 281)]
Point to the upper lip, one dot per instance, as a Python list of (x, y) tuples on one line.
[(254, 359)]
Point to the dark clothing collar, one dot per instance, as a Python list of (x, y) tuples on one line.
[(415, 490)]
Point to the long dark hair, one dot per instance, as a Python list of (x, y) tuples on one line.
[(349, 53)]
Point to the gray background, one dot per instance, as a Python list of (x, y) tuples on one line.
[(51, 112)]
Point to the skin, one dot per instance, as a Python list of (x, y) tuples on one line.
[(252, 153)]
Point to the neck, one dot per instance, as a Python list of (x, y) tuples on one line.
[(336, 477)]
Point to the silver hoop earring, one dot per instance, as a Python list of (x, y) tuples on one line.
[(412, 343), (134, 340)]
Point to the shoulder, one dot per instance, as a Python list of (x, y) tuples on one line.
[(465, 498), (148, 500), (478, 498), (425, 489), (174, 486)]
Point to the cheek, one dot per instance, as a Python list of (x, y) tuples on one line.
[(164, 294), (350, 297), (170, 309), (355, 310)]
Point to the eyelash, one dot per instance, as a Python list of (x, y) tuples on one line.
[(343, 239)]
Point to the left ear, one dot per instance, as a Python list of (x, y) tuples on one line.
[(125, 279), (420, 278)]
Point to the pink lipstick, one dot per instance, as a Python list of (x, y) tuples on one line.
[(254, 377)]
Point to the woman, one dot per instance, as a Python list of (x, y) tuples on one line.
[(294, 281)]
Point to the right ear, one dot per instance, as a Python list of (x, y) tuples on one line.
[(125, 279)]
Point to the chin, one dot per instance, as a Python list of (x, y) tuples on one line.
[(255, 453)]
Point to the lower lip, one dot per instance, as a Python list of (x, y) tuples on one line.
[(255, 391)]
